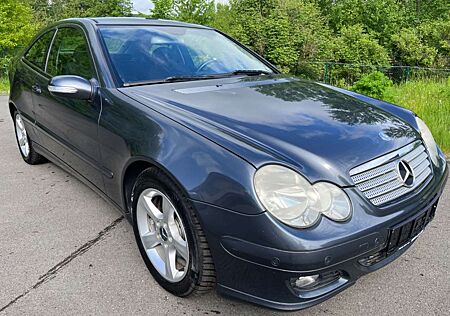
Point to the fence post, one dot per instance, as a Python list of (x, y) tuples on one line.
[(407, 73), (326, 73)]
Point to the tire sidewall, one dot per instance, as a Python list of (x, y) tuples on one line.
[(187, 284), (25, 158)]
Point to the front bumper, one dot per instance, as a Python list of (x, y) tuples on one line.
[(257, 258)]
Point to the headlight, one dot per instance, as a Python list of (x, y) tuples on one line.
[(294, 201), (429, 141)]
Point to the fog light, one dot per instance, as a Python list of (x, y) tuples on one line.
[(306, 281)]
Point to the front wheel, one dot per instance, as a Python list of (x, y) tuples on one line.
[(29, 155), (169, 235)]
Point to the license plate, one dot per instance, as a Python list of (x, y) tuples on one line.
[(404, 233)]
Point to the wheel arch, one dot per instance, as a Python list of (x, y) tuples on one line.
[(12, 108), (133, 169)]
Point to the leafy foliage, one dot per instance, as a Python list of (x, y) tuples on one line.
[(15, 29), (374, 84), (50, 11), (291, 33), (409, 49), (194, 11), (191, 11), (163, 9)]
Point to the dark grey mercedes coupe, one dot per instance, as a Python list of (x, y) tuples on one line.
[(273, 189)]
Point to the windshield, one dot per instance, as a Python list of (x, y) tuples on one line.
[(156, 53)]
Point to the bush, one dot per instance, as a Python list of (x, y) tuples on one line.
[(409, 49), (374, 84)]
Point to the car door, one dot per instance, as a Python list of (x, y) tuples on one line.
[(28, 74), (68, 127)]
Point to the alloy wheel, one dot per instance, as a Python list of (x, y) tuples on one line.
[(162, 234), (22, 137)]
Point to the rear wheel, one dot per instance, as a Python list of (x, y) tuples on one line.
[(169, 235), (23, 141)]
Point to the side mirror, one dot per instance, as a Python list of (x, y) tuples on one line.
[(73, 87)]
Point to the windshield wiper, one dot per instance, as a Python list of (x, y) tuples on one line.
[(247, 72), (170, 79), (250, 72)]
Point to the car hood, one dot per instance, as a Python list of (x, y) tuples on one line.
[(317, 130)]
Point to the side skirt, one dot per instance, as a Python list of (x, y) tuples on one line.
[(51, 157)]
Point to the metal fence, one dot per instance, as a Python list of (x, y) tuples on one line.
[(342, 74)]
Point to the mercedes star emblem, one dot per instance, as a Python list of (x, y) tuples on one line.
[(405, 173)]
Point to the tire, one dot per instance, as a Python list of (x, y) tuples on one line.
[(197, 273), (29, 155)]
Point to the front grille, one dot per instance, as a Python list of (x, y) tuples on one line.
[(380, 180)]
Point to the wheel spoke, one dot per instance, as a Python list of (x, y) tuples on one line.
[(181, 247), (170, 262), (20, 124), (150, 240), (151, 209), (168, 211)]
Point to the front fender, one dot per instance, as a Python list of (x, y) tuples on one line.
[(130, 131)]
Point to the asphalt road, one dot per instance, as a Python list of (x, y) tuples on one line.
[(63, 250)]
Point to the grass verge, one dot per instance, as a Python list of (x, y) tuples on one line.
[(431, 101), (4, 85)]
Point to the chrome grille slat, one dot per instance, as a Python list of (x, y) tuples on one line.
[(379, 180), (391, 175), (390, 186), (419, 159), (416, 152), (373, 173), (420, 168), (401, 191)]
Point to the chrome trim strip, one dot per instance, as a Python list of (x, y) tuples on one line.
[(385, 159)]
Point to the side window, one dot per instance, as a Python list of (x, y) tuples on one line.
[(37, 54), (69, 55)]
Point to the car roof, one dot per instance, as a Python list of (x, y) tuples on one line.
[(134, 21)]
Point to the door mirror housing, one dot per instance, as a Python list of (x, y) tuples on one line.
[(73, 87)]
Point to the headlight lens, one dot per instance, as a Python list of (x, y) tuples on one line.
[(429, 141), (294, 201)]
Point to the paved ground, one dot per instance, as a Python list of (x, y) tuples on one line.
[(63, 250)]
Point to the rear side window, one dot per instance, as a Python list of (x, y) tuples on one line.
[(70, 55), (37, 54)]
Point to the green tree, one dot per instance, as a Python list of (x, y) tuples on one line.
[(380, 18), (50, 11), (287, 32), (409, 49), (163, 9), (355, 46), (94, 8), (194, 11), (15, 28), (436, 34), (426, 10)]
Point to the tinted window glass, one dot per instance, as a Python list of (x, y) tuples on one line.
[(143, 53), (69, 55), (37, 54)]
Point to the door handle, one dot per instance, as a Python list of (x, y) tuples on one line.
[(36, 89)]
